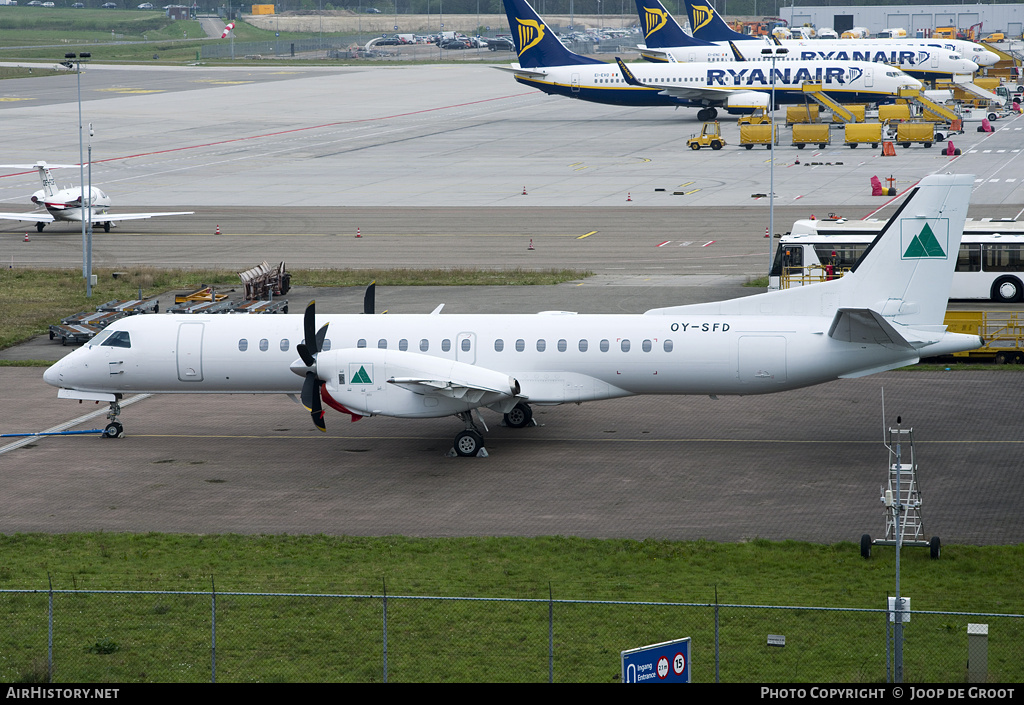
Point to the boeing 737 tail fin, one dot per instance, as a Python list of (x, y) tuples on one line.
[(706, 25), (536, 45), (661, 31)]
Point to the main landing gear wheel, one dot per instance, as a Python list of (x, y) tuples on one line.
[(520, 416), (39, 226), (113, 430), (106, 227), (468, 444)]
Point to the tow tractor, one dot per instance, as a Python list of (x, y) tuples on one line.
[(710, 136)]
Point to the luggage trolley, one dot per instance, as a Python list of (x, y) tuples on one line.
[(902, 499)]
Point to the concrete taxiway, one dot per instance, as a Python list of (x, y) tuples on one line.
[(430, 164)]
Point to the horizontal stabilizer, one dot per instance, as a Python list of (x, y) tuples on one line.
[(862, 325)]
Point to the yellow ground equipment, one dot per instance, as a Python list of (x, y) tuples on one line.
[(910, 132), (898, 111), (758, 134), (801, 114), (710, 136), (1003, 332), (811, 134), (758, 117), (863, 133)]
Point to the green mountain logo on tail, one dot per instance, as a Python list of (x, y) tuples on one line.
[(926, 245)]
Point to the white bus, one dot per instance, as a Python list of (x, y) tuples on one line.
[(990, 264)]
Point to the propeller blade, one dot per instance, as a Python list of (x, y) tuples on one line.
[(311, 391), (369, 298), (306, 356), (309, 328), (320, 335), (318, 419)]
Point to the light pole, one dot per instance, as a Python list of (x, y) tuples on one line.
[(774, 53), (84, 200)]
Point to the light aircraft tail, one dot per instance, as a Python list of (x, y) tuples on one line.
[(661, 31), (49, 185), (536, 45), (705, 23)]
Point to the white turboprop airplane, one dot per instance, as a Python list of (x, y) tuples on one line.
[(66, 204), (737, 86), (887, 313), (667, 42)]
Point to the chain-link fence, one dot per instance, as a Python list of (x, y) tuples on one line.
[(87, 636)]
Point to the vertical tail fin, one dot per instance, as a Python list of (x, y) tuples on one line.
[(906, 273), (661, 31), (49, 185), (705, 23), (536, 45)]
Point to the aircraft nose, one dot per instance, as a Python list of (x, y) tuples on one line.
[(988, 58), (54, 373)]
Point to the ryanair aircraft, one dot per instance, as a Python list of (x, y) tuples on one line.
[(706, 25), (667, 42), (736, 86)]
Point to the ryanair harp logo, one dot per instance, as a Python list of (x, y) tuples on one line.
[(931, 242), (702, 15), (654, 20), (530, 34)]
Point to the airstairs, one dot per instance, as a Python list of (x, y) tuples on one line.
[(916, 95), (816, 92)]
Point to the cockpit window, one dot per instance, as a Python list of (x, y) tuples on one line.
[(118, 339)]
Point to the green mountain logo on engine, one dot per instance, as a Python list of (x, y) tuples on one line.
[(361, 376), (927, 243)]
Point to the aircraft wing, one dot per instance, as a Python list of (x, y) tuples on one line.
[(675, 90), (111, 217), (30, 217), (520, 71), (456, 389)]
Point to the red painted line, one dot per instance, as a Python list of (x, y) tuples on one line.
[(662, 244), (709, 242), (287, 132), (897, 196)]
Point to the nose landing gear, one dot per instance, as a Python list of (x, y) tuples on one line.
[(113, 429)]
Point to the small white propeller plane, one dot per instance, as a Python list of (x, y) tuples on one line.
[(66, 204), (887, 313)]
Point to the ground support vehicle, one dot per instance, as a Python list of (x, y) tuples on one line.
[(819, 134), (863, 133), (1003, 332), (801, 114), (758, 134), (908, 133), (710, 136)]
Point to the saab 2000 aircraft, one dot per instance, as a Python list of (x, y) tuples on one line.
[(738, 86), (667, 42), (707, 25), (887, 313), (66, 204)]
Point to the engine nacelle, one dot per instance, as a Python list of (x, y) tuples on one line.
[(746, 102), (376, 382)]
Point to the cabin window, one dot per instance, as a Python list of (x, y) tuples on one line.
[(382, 344), (118, 339), (446, 345), (499, 345), (624, 345), (583, 345), (403, 344), (361, 343), (562, 345), (605, 345), (465, 344), (326, 345), (646, 345), (520, 345), (243, 345), (541, 345), (424, 345), (284, 345), (264, 345), (667, 345)]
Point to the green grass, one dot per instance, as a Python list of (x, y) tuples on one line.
[(32, 299), (165, 637)]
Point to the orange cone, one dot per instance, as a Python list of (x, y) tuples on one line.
[(812, 217)]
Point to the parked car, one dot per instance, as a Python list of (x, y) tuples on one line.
[(78, 5), (109, 6), (500, 44), (372, 11), (146, 6)]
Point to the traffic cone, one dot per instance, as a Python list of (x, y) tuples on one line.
[(529, 248), (812, 217), (26, 237), (217, 232), (766, 231), (358, 233), (888, 150), (629, 197), (524, 190)]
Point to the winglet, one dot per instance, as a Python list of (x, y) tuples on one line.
[(776, 40), (736, 52), (627, 75)]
